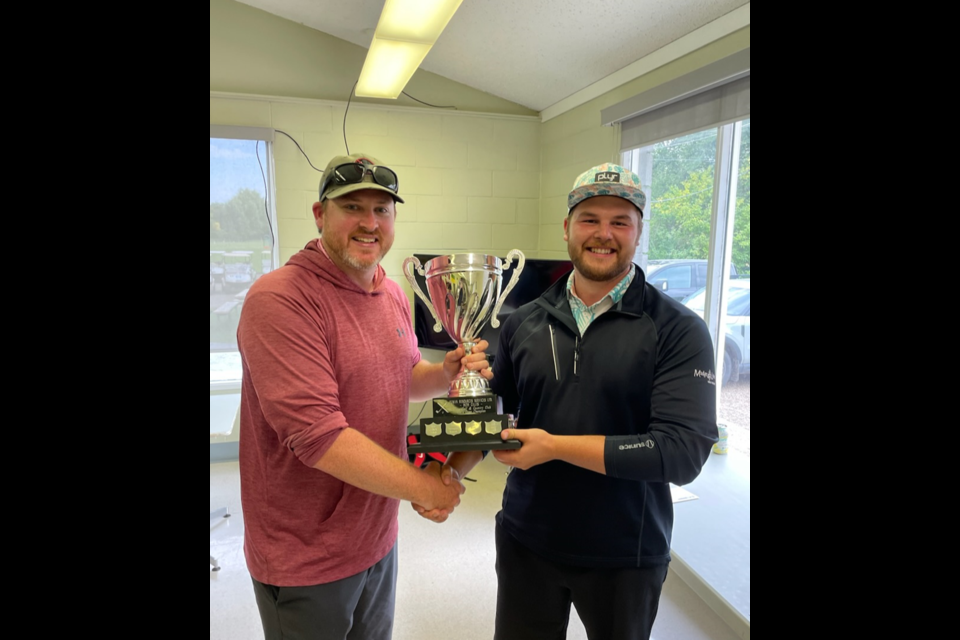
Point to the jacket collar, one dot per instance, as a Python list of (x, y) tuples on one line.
[(554, 300)]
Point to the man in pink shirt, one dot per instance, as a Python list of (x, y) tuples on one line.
[(330, 365)]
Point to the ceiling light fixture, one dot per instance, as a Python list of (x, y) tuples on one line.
[(406, 31)]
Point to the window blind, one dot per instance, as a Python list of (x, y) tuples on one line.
[(716, 94), (241, 133)]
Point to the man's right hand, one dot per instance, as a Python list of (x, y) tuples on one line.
[(446, 494)]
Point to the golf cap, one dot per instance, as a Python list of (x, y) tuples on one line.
[(607, 179)]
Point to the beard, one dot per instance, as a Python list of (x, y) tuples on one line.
[(586, 265), (356, 262), (342, 252)]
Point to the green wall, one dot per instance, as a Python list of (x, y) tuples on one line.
[(255, 52)]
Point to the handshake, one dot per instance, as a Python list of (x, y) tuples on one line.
[(446, 480)]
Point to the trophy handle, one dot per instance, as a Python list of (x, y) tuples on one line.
[(413, 262), (521, 260)]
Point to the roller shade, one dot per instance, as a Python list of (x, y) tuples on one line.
[(241, 133), (709, 97)]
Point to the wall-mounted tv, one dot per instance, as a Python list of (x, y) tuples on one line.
[(537, 275)]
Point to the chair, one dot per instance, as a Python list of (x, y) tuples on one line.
[(219, 515), (216, 517)]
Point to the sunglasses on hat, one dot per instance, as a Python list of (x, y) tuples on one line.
[(353, 173)]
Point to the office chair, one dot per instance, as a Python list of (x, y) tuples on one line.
[(219, 515), (216, 517)]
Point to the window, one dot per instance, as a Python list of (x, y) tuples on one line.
[(688, 179), (698, 190), (242, 236)]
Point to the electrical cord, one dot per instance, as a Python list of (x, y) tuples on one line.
[(419, 414), (266, 209), (349, 97), (299, 147), (426, 103)]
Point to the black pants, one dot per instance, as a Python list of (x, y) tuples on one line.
[(534, 596)]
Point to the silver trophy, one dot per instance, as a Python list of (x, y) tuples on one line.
[(464, 293)]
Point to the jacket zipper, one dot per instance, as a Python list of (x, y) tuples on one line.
[(556, 365), (576, 355)]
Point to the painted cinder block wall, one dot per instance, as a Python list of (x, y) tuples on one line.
[(488, 176)]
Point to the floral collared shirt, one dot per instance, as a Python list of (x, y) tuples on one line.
[(583, 314)]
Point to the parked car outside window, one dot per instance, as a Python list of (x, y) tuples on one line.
[(736, 351), (679, 278)]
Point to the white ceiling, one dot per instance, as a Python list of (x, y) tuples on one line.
[(531, 52)]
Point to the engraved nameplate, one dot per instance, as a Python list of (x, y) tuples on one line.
[(464, 405)]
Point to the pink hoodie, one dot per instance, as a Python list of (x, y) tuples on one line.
[(319, 354)]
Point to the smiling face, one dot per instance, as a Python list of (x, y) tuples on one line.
[(358, 230), (602, 235)]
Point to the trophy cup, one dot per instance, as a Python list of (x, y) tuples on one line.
[(464, 292)]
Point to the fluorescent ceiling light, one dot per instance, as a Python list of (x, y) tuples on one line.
[(388, 67), (415, 20), (405, 33)]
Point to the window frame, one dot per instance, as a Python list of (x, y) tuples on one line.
[(268, 137)]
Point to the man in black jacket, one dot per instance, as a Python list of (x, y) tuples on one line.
[(613, 386)]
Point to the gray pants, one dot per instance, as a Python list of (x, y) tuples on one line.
[(360, 607)]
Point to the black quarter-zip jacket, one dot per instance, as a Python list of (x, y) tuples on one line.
[(643, 376)]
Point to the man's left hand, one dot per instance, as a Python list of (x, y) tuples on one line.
[(537, 448), (456, 360)]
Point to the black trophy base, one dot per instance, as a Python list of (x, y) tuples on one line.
[(488, 443), (462, 431)]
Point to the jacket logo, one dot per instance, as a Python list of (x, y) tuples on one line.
[(711, 378), (637, 445), (607, 176)]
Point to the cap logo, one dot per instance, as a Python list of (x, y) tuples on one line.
[(607, 176)]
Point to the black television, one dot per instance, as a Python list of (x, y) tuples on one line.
[(537, 275)]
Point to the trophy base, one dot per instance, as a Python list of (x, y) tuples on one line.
[(462, 424), (482, 444)]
